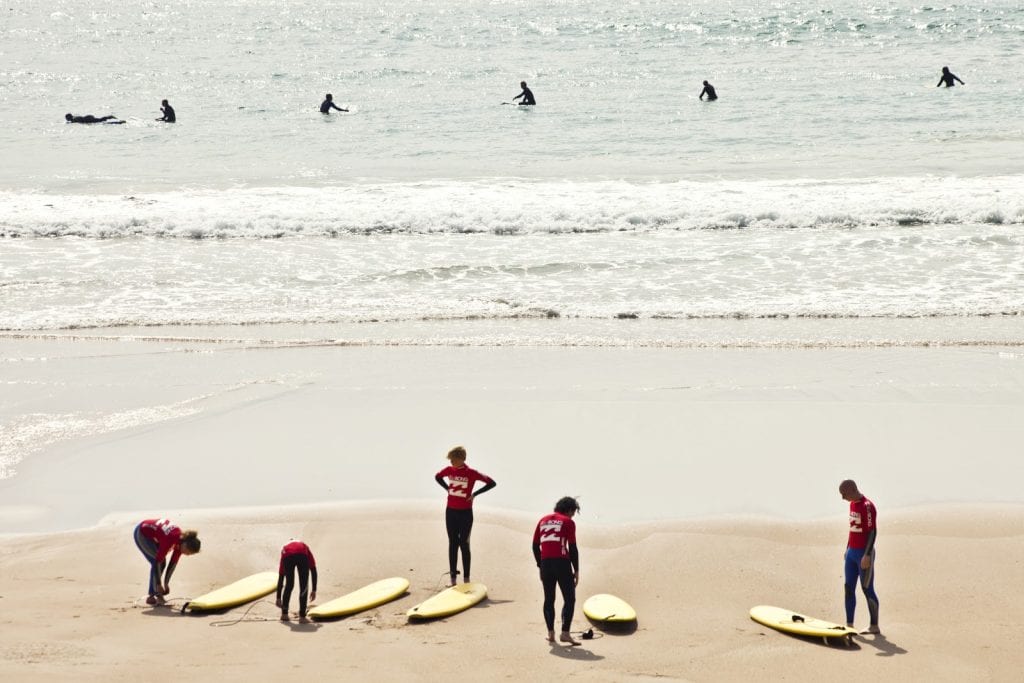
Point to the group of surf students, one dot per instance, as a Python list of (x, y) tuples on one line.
[(554, 550), (948, 78)]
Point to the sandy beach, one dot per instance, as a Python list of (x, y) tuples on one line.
[(947, 579), (708, 481)]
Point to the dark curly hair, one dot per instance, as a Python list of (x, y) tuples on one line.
[(566, 505)]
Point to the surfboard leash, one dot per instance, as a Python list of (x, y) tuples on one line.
[(245, 614)]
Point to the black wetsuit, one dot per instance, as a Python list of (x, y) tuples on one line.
[(290, 565), (949, 78), (527, 96), (169, 116), (89, 118), (326, 105), (459, 525), (708, 90), (559, 572)]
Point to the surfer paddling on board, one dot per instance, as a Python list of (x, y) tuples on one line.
[(949, 78), (459, 513), (296, 558), (156, 538), (328, 104), (526, 95), (554, 548), (860, 553), (89, 118)]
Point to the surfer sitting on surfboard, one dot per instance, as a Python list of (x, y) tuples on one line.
[(296, 557), (527, 95), (156, 538), (458, 516), (554, 548)]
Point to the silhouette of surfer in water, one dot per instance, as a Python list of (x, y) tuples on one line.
[(169, 115), (328, 104), (527, 95), (708, 90), (949, 78), (89, 118)]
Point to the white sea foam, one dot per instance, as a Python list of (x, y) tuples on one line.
[(516, 206)]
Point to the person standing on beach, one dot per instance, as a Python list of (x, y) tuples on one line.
[(949, 78), (860, 552), (328, 104), (459, 513), (168, 110), (708, 90), (554, 549), (527, 95), (155, 538), (296, 557)]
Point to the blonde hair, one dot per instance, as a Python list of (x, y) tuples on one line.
[(457, 453)]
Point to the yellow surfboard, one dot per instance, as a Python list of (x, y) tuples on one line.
[(789, 621), (365, 598), (449, 601), (238, 593), (608, 608)]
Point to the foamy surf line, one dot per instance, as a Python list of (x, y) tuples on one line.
[(505, 206)]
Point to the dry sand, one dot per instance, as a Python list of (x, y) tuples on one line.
[(948, 579), (708, 479)]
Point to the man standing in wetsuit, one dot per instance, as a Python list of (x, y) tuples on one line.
[(295, 557), (949, 78), (708, 90), (554, 549), (527, 95), (168, 110), (860, 553), (89, 118), (328, 104)]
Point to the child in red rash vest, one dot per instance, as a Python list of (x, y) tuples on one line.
[(155, 539), (459, 513), (296, 558)]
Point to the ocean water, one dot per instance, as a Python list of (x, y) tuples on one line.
[(832, 181)]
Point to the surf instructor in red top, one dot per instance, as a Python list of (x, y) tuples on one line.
[(459, 514), (860, 552)]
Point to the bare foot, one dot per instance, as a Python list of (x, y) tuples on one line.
[(285, 617), (151, 600), (159, 599), (566, 637), (551, 637), (873, 629), (303, 619)]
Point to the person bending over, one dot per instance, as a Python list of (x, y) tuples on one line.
[(296, 558), (155, 538)]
